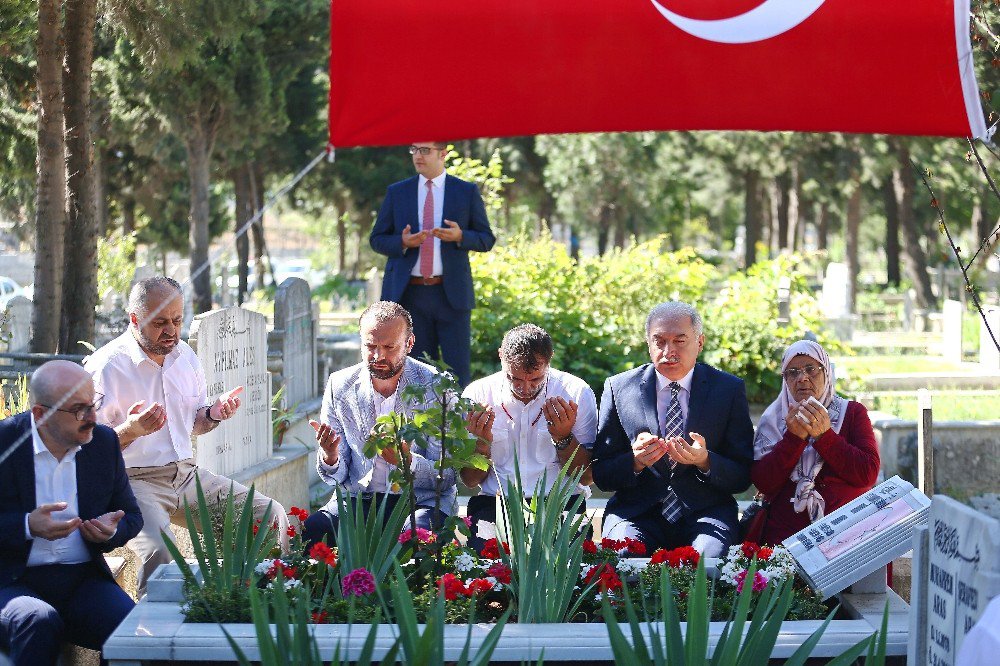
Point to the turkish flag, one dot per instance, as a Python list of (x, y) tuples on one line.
[(409, 70)]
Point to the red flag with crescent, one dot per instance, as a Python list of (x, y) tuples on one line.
[(403, 71)]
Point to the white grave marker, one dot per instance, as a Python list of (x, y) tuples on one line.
[(293, 316), (952, 324), (232, 347)]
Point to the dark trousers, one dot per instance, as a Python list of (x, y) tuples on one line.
[(59, 602), (437, 325), (484, 507), (322, 525), (711, 531)]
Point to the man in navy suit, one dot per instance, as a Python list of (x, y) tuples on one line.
[(671, 490), (65, 500), (427, 226)]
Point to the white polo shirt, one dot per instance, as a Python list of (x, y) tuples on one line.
[(125, 375)]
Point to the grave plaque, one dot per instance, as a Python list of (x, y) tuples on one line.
[(17, 324), (836, 295), (952, 324), (232, 347), (293, 316), (961, 577), (864, 535)]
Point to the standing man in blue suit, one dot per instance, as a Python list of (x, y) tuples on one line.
[(65, 500), (427, 226), (674, 442)]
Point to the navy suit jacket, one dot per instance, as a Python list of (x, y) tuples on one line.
[(101, 483), (718, 410), (463, 204)]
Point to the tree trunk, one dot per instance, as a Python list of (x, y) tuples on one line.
[(128, 222), (257, 192), (891, 233), (342, 242), (794, 210), (783, 186), (80, 295), (914, 258), (853, 224), (751, 217), (244, 212), (197, 145), (50, 193), (823, 227)]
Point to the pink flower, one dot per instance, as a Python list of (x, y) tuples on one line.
[(423, 536), (759, 581), (359, 583), (468, 521)]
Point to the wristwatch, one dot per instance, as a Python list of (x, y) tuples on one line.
[(561, 444), (208, 415)]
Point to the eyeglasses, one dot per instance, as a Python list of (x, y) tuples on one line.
[(812, 371), (423, 150), (81, 412)]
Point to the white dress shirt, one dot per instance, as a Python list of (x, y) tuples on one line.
[(663, 398), (55, 481), (438, 215), (519, 429), (125, 375)]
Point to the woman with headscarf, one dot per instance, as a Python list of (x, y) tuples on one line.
[(811, 460)]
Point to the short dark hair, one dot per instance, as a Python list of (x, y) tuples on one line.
[(382, 311), (526, 347), (138, 297)]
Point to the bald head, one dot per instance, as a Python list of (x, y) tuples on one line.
[(57, 381)]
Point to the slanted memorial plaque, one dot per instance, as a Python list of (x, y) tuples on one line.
[(956, 574), (860, 537), (232, 346)]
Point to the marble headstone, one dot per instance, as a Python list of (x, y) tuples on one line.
[(952, 325), (956, 574), (293, 316), (232, 346), (17, 324)]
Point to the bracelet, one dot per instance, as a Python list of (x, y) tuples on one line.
[(561, 444), (208, 415)]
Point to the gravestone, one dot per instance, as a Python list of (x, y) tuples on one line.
[(952, 329), (989, 355), (956, 573), (784, 300), (232, 347), (293, 318), (17, 324), (836, 300), (373, 286), (859, 538)]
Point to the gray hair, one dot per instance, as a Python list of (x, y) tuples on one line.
[(381, 312), (672, 309), (139, 296), (526, 347)]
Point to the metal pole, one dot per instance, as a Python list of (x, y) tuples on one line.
[(925, 443)]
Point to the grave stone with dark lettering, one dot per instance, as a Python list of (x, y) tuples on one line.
[(232, 347), (956, 574), (295, 328)]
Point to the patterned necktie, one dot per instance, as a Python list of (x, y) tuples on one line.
[(673, 426), (427, 247)]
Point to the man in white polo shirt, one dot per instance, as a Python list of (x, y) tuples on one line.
[(155, 399), (541, 416)]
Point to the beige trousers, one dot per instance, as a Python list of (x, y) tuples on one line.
[(161, 493)]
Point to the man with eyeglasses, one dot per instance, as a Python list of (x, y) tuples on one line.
[(427, 226), (156, 399), (540, 416), (674, 442), (65, 500)]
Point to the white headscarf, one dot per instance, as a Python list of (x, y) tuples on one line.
[(772, 427)]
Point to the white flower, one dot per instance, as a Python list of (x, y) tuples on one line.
[(486, 530), (263, 567), (627, 568), (585, 570), (465, 562), (497, 585), (598, 596), (292, 583)]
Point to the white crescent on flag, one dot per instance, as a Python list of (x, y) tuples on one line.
[(764, 21)]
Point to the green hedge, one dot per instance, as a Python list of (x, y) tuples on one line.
[(595, 308)]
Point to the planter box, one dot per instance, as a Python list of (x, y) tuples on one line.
[(155, 630)]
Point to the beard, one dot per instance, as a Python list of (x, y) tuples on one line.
[(385, 372), (527, 397), (156, 347)]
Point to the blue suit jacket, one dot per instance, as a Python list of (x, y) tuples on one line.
[(463, 204), (718, 410), (101, 483)]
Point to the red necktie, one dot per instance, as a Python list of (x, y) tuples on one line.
[(427, 247)]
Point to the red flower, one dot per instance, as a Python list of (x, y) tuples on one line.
[(589, 547), (612, 544), (291, 530), (750, 549), (301, 514), (477, 585), (765, 553), (319, 618), (452, 586), (635, 547), (606, 576), (678, 557), (500, 572), (491, 549), (288, 572), (322, 552), (659, 556)]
